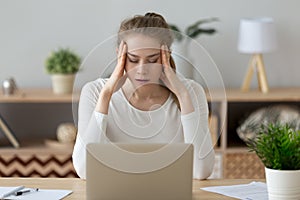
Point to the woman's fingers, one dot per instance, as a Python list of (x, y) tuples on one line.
[(124, 53), (120, 50), (165, 56)]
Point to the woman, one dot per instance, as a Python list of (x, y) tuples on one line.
[(144, 100)]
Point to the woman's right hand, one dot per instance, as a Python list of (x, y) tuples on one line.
[(115, 81), (118, 77)]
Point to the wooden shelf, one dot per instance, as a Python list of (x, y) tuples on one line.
[(38, 157), (231, 106), (38, 95), (253, 99), (37, 161), (234, 153), (236, 95), (41, 146)]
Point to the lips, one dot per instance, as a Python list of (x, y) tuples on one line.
[(142, 80)]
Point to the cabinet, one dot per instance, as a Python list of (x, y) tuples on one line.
[(237, 162), (33, 158), (28, 113)]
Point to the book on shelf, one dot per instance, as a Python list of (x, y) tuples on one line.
[(8, 133)]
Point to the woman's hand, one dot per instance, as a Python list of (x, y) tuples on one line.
[(118, 78), (171, 81), (168, 76), (115, 81)]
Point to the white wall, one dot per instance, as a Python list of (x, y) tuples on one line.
[(29, 29)]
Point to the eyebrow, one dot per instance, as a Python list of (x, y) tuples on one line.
[(149, 56)]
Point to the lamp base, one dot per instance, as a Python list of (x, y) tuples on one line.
[(256, 62)]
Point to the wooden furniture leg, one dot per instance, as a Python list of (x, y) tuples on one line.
[(256, 62)]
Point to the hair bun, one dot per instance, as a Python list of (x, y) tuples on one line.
[(152, 14)]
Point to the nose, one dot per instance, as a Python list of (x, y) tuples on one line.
[(142, 69)]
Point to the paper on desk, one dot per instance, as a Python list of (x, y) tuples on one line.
[(43, 194), (5, 190), (251, 191)]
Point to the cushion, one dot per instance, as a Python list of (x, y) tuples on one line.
[(273, 114)]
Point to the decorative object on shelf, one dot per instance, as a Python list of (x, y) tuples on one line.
[(58, 145), (9, 86), (63, 64), (66, 133), (8, 133), (184, 38), (278, 147), (280, 113), (256, 36)]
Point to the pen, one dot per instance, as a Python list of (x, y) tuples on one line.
[(13, 191), (26, 191)]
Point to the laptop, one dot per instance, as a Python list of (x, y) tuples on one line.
[(139, 171)]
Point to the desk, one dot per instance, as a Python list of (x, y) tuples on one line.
[(78, 186)]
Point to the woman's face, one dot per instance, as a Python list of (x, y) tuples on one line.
[(143, 62)]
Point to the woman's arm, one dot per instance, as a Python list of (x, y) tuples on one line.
[(196, 131), (91, 125), (115, 81), (171, 80), (194, 116), (93, 110)]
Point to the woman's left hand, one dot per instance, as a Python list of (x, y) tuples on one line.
[(168, 75), (170, 79)]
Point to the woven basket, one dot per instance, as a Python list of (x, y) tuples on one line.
[(242, 165)]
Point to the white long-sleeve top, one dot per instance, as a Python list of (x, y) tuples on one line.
[(125, 123)]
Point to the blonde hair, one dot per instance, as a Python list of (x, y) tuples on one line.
[(152, 25)]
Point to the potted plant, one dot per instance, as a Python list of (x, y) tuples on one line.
[(194, 29), (183, 38), (278, 147), (62, 64)]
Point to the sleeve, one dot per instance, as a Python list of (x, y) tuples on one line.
[(196, 131), (91, 126)]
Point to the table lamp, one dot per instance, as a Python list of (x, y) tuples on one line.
[(256, 36)]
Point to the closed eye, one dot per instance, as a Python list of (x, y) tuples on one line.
[(133, 61), (153, 61)]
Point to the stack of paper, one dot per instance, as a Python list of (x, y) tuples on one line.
[(36, 195), (251, 191)]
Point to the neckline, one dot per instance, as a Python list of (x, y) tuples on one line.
[(145, 111)]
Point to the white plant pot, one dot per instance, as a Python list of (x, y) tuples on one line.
[(62, 83), (283, 184)]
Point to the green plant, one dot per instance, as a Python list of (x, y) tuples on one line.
[(278, 146), (194, 30), (62, 61)]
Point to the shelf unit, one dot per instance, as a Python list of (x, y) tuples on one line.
[(42, 104), (38, 95), (36, 160), (236, 160), (35, 157)]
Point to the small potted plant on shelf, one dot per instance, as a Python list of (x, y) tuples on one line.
[(62, 64), (278, 147)]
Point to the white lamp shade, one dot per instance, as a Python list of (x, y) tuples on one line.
[(257, 35)]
